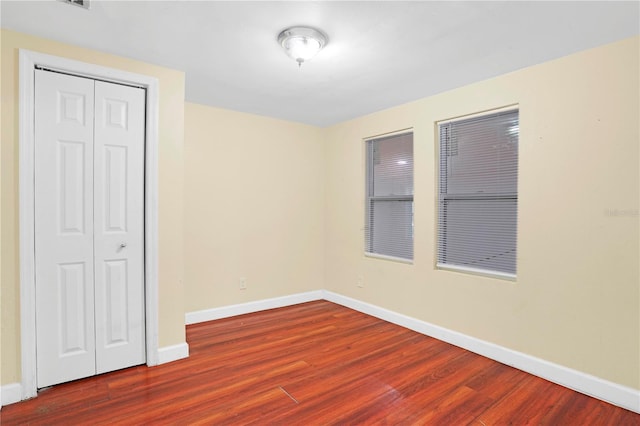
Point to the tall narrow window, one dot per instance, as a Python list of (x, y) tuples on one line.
[(478, 194), (389, 203)]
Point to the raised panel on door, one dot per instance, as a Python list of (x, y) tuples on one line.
[(119, 226), (64, 228)]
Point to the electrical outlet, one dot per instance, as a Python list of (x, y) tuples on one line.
[(243, 283), (360, 282)]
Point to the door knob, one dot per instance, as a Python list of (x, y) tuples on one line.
[(123, 245)]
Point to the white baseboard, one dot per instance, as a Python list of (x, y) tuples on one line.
[(250, 307), (605, 390), (173, 353), (11, 393)]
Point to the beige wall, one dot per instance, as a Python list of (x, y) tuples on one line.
[(171, 138), (1, 197), (576, 299), (254, 207)]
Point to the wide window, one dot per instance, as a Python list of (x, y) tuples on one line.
[(478, 193), (389, 197)]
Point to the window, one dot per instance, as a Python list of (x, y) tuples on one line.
[(389, 192), (478, 194)]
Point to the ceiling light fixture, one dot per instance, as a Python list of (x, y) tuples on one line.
[(302, 43)]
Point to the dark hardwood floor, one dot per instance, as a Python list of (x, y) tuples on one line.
[(314, 364)]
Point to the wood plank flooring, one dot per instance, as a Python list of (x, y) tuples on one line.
[(315, 364)]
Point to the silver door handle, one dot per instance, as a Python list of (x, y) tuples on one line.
[(123, 245)]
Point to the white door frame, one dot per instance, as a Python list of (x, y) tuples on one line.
[(28, 62)]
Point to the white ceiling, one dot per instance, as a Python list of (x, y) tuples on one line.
[(380, 54)]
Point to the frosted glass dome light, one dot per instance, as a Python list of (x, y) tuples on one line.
[(302, 43)]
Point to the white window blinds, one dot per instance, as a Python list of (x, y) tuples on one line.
[(478, 193), (389, 196)]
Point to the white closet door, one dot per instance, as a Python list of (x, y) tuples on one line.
[(119, 226), (89, 227), (64, 227)]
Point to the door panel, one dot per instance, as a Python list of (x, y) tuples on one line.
[(119, 226), (115, 189), (72, 201), (72, 284), (117, 295), (64, 228)]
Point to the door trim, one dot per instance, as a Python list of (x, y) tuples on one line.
[(28, 62)]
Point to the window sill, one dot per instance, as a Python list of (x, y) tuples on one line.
[(474, 271), (391, 258)]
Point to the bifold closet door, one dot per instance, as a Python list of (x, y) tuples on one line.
[(65, 335), (89, 164), (119, 226)]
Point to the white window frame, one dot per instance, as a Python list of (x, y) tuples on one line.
[(461, 268), (370, 198)]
